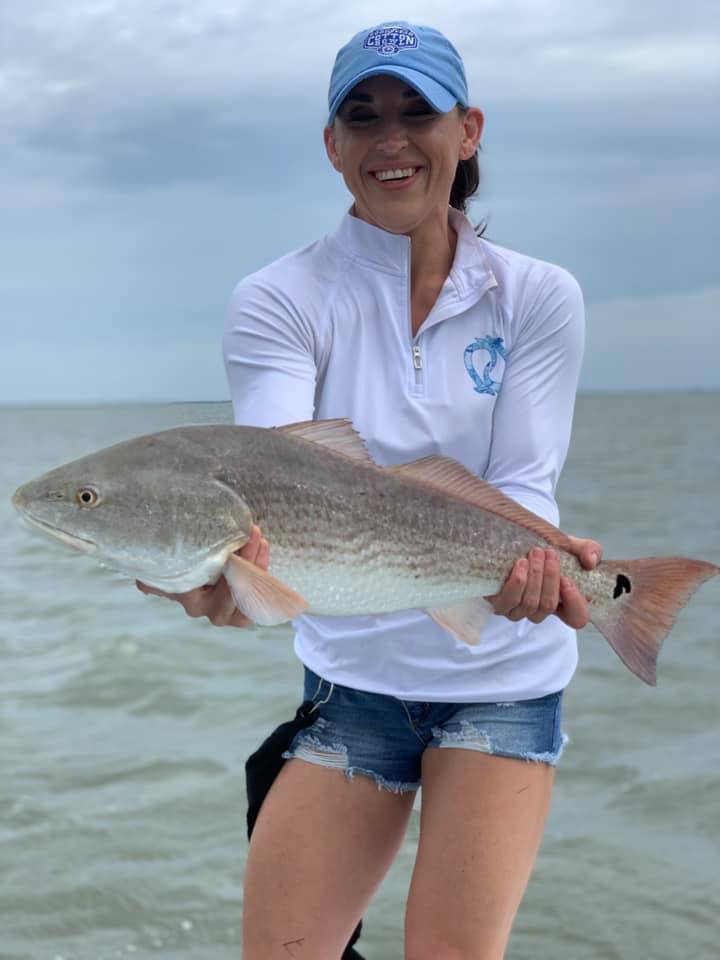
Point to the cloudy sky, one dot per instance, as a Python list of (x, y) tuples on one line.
[(153, 153)]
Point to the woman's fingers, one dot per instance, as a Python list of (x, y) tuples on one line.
[(512, 590), (573, 609), (250, 551), (588, 552), (215, 601), (196, 603), (263, 557), (549, 597), (222, 607), (146, 588), (533, 588)]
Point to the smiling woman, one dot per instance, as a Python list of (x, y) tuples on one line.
[(386, 139), (434, 342)]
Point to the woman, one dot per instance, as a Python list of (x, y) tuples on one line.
[(432, 341)]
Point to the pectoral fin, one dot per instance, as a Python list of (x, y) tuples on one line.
[(466, 620), (261, 597)]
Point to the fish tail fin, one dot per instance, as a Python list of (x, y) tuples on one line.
[(647, 598)]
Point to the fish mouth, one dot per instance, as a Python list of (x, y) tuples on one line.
[(77, 543)]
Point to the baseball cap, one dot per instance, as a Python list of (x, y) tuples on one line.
[(421, 56)]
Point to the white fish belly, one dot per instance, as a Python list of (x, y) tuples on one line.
[(339, 588)]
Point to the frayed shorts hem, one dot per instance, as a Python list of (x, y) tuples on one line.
[(392, 786), (551, 757)]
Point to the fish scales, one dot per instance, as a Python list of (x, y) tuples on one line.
[(403, 545)]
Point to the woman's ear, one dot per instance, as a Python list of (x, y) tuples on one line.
[(331, 147), (473, 122)]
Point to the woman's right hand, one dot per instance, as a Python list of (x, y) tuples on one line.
[(215, 601), (536, 590)]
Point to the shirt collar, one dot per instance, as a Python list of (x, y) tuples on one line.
[(390, 252), (373, 245)]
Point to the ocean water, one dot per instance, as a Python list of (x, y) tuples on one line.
[(124, 726)]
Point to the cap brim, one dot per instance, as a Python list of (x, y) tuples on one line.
[(437, 96)]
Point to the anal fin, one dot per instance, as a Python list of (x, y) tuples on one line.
[(260, 596), (466, 620)]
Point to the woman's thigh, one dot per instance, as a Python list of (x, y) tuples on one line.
[(320, 848), (481, 825)]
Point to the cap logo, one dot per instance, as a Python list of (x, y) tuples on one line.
[(389, 41)]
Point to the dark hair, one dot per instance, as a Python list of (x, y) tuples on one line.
[(466, 182)]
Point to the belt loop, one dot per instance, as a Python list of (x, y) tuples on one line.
[(321, 702), (319, 688)]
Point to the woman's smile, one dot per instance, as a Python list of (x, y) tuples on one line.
[(397, 177)]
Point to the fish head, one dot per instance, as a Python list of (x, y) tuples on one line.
[(146, 507)]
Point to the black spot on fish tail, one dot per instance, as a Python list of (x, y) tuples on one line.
[(622, 585)]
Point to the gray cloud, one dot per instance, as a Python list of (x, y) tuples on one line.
[(142, 94), (166, 144), (155, 152)]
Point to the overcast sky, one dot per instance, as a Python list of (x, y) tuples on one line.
[(153, 153)]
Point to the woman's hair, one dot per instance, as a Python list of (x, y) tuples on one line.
[(464, 187), (465, 184)]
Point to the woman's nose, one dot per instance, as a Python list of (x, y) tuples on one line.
[(393, 138)]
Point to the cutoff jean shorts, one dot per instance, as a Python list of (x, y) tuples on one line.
[(383, 737)]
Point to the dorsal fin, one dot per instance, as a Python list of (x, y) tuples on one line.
[(339, 435), (439, 474), (446, 476)]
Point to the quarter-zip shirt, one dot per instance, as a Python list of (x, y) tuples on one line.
[(489, 379)]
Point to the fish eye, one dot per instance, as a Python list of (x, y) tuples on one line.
[(87, 496)]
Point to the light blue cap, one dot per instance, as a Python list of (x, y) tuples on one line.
[(421, 56)]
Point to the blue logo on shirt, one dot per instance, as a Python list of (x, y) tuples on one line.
[(494, 346), (389, 41)]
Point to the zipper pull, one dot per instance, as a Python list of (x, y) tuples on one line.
[(417, 357)]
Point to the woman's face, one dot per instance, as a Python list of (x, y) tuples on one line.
[(397, 155)]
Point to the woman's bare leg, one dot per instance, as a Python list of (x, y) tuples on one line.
[(319, 850), (481, 825)]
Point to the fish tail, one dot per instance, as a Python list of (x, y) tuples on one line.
[(647, 596)]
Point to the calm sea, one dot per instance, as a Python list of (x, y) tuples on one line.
[(124, 726)]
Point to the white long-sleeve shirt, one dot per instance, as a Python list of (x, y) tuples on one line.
[(489, 379)]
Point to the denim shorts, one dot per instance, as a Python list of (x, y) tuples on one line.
[(384, 738)]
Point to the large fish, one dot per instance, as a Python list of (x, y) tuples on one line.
[(347, 537)]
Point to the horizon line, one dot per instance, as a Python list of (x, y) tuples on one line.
[(144, 402)]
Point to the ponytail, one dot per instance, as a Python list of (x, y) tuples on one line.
[(465, 184)]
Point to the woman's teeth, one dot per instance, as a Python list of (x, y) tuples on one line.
[(399, 174)]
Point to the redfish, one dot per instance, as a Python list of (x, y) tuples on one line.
[(347, 537)]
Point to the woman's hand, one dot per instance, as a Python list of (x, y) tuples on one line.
[(535, 588), (215, 601)]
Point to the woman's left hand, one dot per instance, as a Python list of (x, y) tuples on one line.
[(535, 589)]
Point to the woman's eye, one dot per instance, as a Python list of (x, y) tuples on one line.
[(360, 118)]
